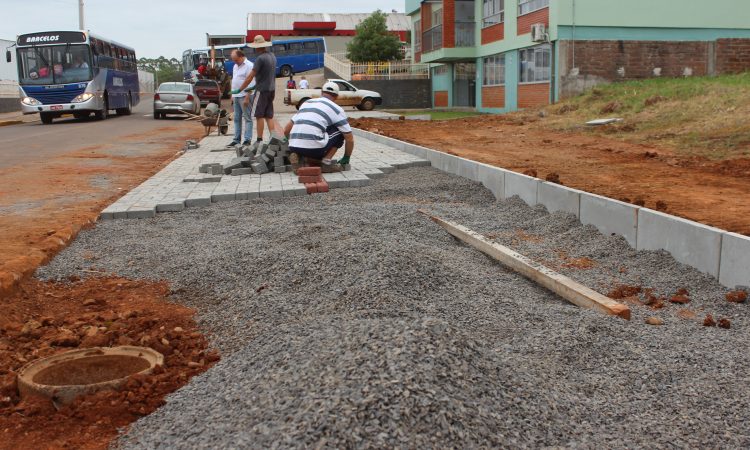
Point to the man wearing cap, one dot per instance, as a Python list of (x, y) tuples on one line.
[(264, 75), (320, 128)]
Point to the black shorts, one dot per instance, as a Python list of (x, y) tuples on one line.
[(335, 140), (262, 105)]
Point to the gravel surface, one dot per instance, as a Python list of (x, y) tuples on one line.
[(349, 320)]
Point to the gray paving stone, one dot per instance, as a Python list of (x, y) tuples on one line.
[(223, 197), (141, 212), (242, 171), (171, 206)]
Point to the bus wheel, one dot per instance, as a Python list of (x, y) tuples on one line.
[(46, 118), (104, 112), (286, 71), (127, 110)]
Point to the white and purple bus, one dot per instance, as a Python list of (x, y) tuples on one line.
[(75, 72)]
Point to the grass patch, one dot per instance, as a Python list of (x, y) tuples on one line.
[(696, 116), (437, 115)]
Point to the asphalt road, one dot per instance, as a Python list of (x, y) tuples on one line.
[(32, 142)]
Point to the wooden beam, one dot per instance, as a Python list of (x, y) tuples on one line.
[(561, 285)]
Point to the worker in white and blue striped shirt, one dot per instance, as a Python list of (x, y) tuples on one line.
[(320, 128)]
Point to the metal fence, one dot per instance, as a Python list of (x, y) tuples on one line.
[(383, 70), (432, 39), (465, 34)]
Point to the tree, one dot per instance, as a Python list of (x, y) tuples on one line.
[(373, 41), (163, 69)]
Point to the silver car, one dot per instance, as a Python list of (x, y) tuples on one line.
[(176, 98)]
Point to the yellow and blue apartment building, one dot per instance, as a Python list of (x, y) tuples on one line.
[(503, 55)]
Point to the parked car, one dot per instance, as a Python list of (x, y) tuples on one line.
[(176, 98), (349, 95), (208, 92)]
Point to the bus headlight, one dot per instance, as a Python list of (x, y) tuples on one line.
[(30, 101), (86, 96)]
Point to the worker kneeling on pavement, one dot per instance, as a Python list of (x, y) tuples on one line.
[(319, 129)]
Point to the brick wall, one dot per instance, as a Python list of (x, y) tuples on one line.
[(538, 16), (441, 99), (494, 33), (418, 57), (533, 95), (732, 55), (449, 23), (399, 94), (599, 62), (613, 60), (493, 97)]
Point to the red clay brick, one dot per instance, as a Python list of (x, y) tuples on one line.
[(494, 33), (322, 186), (308, 171), (527, 20), (533, 95), (493, 97), (311, 188), (306, 179), (441, 99)]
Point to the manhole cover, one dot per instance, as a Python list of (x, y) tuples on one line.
[(65, 376)]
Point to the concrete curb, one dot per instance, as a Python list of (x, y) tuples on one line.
[(713, 251), (5, 123)]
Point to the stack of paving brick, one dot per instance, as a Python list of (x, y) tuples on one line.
[(267, 157), (313, 180), (259, 158)]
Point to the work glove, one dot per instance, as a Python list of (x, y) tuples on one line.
[(235, 91), (344, 160)]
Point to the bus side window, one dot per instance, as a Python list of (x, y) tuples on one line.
[(279, 49), (295, 48), (311, 48)]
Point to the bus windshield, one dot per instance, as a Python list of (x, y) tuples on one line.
[(58, 64)]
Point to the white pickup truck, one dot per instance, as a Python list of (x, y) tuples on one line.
[(348, 96)]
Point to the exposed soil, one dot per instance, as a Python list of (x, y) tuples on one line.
[(42, 319), (44, 206), (707, 191)]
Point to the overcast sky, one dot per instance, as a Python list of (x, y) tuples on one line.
[(161, 27)]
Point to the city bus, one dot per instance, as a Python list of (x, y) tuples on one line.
[(292, 56), (75, 72)]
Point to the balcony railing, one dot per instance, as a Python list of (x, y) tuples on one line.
[(465, 34), (432, 39)]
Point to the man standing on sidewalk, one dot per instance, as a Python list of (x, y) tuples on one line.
[(264, 75), (242, 69)]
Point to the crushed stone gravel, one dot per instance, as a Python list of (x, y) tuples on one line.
[(350, 320)]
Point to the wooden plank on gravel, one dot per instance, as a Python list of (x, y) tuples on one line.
[(561, 285)]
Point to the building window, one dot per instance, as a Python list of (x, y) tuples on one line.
[(527, 6), (535, 64), (440, 70), (494, 70), (437, 17), (417, 36), (493, 12)]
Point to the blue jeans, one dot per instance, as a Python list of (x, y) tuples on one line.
[(242, 114)]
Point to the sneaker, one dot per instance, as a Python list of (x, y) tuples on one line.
[(330, 167), (248, 143), (233, 144)]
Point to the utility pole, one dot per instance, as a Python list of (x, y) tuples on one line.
[(81, 24)]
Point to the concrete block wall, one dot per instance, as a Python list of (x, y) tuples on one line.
[(716, 252)]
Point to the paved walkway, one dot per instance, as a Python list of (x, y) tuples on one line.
[(180, 185)]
